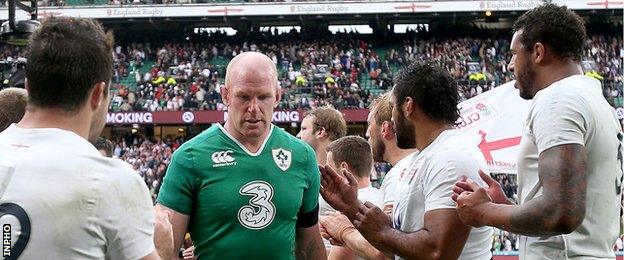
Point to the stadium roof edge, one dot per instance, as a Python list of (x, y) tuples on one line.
[(334, 8)]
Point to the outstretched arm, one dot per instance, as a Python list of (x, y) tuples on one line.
[(559, 210)]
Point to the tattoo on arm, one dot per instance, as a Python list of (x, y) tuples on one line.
[(561, 207)]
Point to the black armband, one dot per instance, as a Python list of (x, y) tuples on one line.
[(308, 219)]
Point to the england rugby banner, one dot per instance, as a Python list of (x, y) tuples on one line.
[(494, 120)]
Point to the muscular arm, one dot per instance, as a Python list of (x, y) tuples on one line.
[(443, 237), (561, 207), (309, 244), (179, 222)]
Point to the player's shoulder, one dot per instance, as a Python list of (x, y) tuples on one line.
[(452, 143), (457, 150), (574, 90), (117, 171), (202, 142), (204, 138)]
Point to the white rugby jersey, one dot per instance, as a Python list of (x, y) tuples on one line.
[(64, 200)]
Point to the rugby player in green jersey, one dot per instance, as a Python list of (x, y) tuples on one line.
[(245, 189)]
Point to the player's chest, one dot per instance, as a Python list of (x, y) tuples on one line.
[(234, 183)]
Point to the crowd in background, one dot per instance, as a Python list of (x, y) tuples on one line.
[(345, 71), (347, 75)]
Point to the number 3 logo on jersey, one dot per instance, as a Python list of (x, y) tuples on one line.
[(260, 212)]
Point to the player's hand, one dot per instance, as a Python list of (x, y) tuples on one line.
[(339, 190), (328, 237), (337, 226), (163, 234), (188, 253), (471, 205), (372, 222), (494, 189)]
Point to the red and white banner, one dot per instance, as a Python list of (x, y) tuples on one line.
[(494, 120)]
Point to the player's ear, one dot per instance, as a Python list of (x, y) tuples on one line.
[(387, 130), (278, 95), (345, 165), (225, 94), (539, 50), (98, 95), (408, 106), (322, 132)]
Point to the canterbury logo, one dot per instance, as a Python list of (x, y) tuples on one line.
[(223, 158)]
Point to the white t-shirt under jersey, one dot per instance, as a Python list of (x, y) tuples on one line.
[(80, 205), (573, 111), (388, 187), (427, 185)]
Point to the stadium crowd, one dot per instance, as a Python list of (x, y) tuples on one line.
[(315, 73), (345, 71)]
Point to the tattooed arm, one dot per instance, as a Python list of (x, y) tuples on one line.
[(559, 210), (309, 244)]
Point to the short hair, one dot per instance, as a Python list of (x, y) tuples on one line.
[(12, 106), (432, 89), (66, 57), (556, 26), (104, 144), (381, 109), (331, 119), (355, 151)]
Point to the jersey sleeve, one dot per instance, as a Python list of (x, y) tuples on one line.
[(444, 170), (127, 218), (311, 194), (559, 119), (177, 190)]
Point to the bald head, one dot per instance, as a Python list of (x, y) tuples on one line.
[(251, 94), (12, 106), (251, 65)]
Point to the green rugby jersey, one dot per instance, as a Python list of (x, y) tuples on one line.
[(242, 205)]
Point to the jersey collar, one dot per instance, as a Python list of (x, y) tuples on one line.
[(242, 146)]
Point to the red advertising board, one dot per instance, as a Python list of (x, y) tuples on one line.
[(211, 116)]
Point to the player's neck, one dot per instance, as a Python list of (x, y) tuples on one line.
[(78, 123), (363, 182), (252, 144), (394, 154), (321, 153), (557, 72), (427, 132)]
